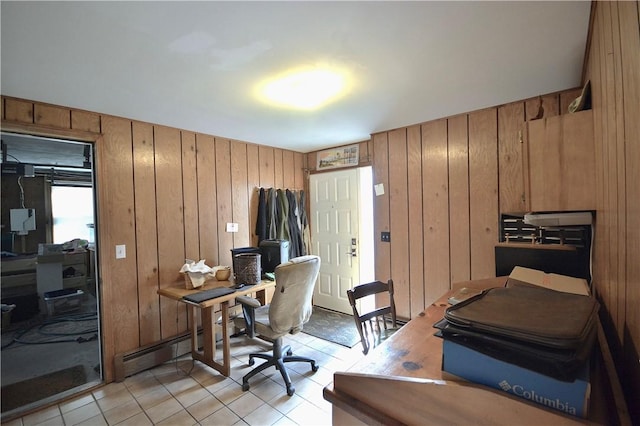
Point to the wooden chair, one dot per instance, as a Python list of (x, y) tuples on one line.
[(372, 326)]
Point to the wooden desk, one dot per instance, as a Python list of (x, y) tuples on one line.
[(401, 382), (207, 354)]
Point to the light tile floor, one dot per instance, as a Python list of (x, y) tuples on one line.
[(184, 392)]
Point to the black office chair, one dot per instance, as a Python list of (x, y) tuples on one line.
[(289, 309)]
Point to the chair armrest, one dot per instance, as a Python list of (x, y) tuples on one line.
[(248, 301), (249, 306)]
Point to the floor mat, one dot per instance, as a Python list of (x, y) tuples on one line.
[(22, 393), (332, 326)]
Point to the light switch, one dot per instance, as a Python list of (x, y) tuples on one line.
[(232, 227), (121, 251)]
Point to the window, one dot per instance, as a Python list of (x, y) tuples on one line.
[(72, 209)]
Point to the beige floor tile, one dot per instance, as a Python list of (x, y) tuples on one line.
[(246, 404), (265, 415), (285, 421), (205, 407), (229, 393), (81, 414), (122, 412), (137, 420), (285, 403), (268, 389), (181, 418), (309, 415), (41, 416), (308, 389), (65, 407), (206, 397), (162, 411), (222, 417), (16, 422), (97, 420), (153, 398), (192, 395), (115, 399), (54, 421), (217, 383), (111, 388)]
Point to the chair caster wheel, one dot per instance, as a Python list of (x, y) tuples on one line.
[(291, 390), (289, 352), (251, 361), (245, 387), (314, 367)]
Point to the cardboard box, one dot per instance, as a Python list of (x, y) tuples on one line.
[(568, 397), (553, 281)]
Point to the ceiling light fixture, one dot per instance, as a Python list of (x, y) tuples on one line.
[(306, 88)]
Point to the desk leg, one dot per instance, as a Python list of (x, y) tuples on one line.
[(208, 353)]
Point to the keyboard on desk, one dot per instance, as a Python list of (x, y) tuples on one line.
[(201, 296)]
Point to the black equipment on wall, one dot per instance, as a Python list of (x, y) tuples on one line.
[(274, 252)]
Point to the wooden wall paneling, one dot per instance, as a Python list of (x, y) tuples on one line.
[(629, 18), (18, 110), (52, 116), (459, 232), (381, 206), (118, 277), (399, 221), (190, 196), (207, 198), (171, 229), (240, 195), (620, 183), (278, 169), (483, 192), (225, 199), (566, 97), (435, 208), (288, 170), (267, 167), (253, 186), (86, 121), (312, 160), (511, 179), (611, 164), (542, 107), (299, 173), (416, 230), (146, 233)]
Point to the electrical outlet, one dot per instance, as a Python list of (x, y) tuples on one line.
[(121, 251), (385, 237), (232, 227)]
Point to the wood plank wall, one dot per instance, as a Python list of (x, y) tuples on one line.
[(613, 67), (166, 194), (445, 183)]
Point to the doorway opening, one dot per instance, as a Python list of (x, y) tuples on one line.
[(50, 302), (342, 233)]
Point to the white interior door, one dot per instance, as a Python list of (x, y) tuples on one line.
[(335, 211)]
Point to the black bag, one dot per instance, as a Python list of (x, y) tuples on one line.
[(561, 364), (545, 331), (535, 315)]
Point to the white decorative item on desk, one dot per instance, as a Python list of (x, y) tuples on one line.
[(195, 274)]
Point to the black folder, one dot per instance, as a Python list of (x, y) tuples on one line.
[(201, 296)]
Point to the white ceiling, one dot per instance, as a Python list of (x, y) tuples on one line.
[(193, 65)]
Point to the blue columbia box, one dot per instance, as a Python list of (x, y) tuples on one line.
[(568, 397)]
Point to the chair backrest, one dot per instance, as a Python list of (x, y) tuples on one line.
[(373, 325), (291, 304)]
